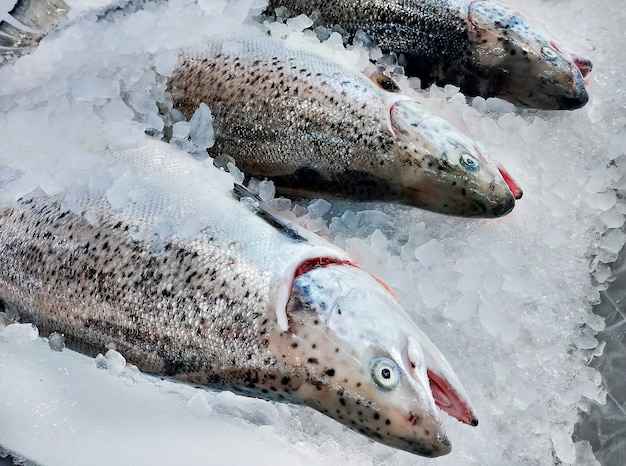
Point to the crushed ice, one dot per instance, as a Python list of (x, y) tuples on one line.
[(507, 301)]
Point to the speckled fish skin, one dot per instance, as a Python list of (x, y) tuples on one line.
[(189, 283), (38, 15), (314, 127), (483, 47)]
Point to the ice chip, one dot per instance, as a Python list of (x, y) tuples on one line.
[(584, 454), (19, 333), (492, 318), (281, 203), (378, 242), (602, 201), (267, 190), (613, 219), (56, 341), (112, 361), (180, 130), (318, 208), (463, 309), (563, 445), (499, 106), (199, 406), (201, 127), (555, 238), (430, 253), (237, 174), (504, 255), (154, 121), (613, 241), (165, 61), (300, 22), (430, 290)]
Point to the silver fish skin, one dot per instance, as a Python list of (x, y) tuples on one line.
[(190, 283), (483, 47), (314, 127), (36, 17)]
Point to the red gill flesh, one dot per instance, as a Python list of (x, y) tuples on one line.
[(511, 183), (317, 262), (583, 64), (447, 399)]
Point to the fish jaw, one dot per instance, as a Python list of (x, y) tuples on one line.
[(514, 60), (363, 359), (583, 64), (442, 170)]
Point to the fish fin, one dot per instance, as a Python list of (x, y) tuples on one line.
[(7, 175), (16, 38), (267, 213), (38, 18)]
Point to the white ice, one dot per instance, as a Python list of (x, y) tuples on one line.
[(508, 301)]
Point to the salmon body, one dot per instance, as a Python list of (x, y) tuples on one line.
[(482, 46), (190, 283), (316, 128)]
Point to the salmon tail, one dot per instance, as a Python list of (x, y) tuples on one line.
[(35, 19)]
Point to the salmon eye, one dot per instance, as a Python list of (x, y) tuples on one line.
[(549, 53), (385, 82), (469, 163), (385, 373)]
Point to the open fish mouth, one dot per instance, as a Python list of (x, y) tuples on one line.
[(449, 400), (385, 390), (515, 188), (583, 64), (426, 366)]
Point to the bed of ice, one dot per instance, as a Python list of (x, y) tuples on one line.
[(509, 301)]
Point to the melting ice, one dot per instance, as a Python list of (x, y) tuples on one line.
[(508, 301)]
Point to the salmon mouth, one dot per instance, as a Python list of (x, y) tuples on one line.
[(515, 189), (583, 64), (448, 400), (573, 102)]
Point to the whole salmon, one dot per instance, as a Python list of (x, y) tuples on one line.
[(482, 46), (315, 127), (190, 283)]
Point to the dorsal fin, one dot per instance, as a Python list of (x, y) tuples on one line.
[(267, 213), (7, 175)]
